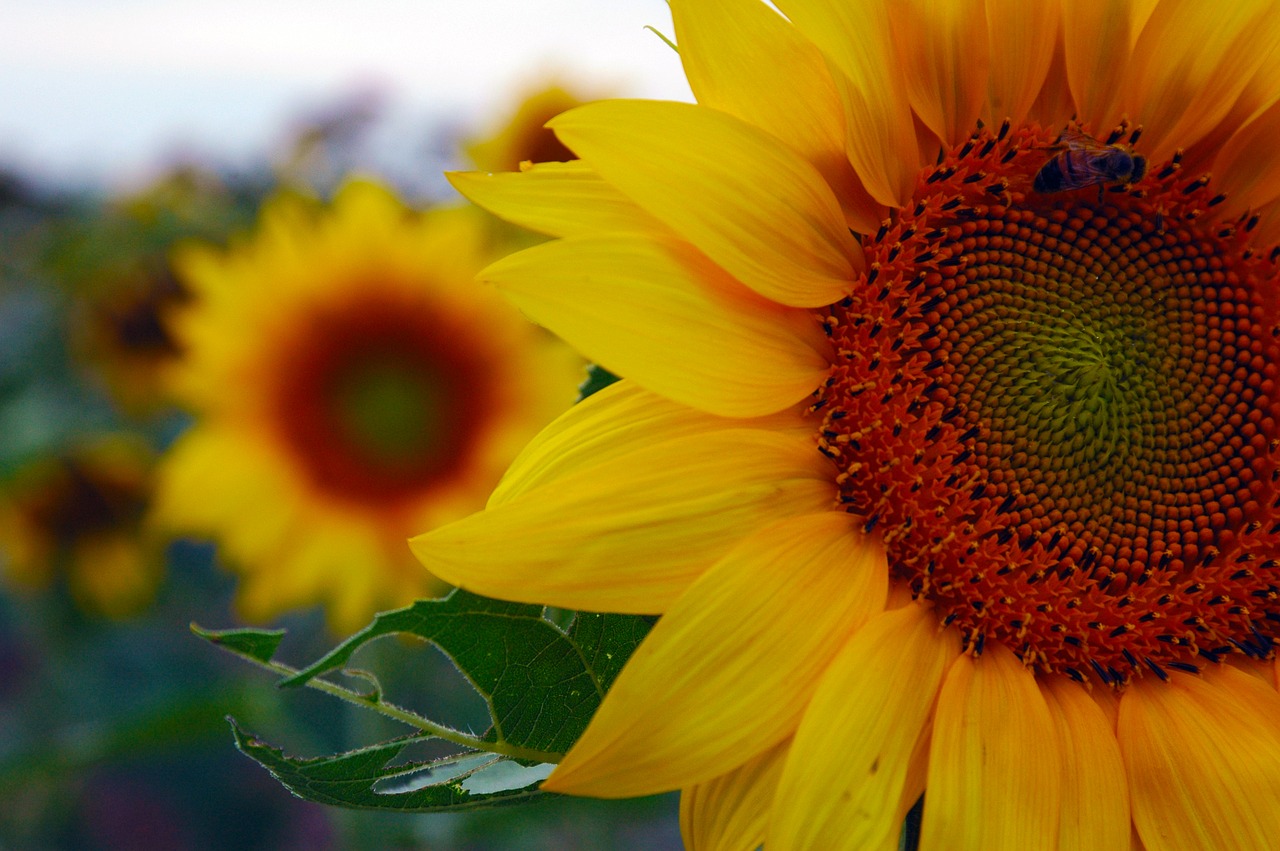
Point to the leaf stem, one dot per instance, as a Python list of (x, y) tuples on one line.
[(405, 716)]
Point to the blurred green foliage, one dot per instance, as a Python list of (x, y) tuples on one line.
[(113, 733)]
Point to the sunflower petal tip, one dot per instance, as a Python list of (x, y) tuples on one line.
[(429, 550), (569, 779), (558, 122), (553, 784)]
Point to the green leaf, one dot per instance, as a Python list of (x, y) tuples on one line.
[(541, 684), (365, 779), (607, 641), (542, 680), (257, 645)]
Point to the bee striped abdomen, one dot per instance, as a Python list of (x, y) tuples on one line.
[(1084, 161)]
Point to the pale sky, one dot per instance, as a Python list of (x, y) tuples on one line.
[(106, 89)]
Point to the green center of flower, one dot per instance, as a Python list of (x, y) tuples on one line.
[(382, 399), (1057, 404), (390, 408)]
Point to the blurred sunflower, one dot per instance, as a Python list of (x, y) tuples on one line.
[(351, 384), (948, 441), (122, 334), (114, 261), (81, 515), (524, 137)]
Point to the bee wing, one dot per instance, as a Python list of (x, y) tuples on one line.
[(1076, 140)]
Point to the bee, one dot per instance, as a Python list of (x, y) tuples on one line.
[(1084, 161)]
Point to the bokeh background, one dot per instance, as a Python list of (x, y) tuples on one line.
[(127, 126)]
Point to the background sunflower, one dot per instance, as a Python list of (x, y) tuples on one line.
[(112, 728), (352, 386)]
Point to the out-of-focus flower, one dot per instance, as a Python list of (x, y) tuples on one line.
[(81, 517), (121, 332), (352, 385), (116, 265), (524, 136), (947, 449), (520, 141)]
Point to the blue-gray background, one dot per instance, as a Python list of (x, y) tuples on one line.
[(112, 733)]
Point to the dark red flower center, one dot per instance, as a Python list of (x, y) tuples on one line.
[(1056, 400), (382, 398), (77, 499)]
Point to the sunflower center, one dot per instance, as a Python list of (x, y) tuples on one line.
[(81, 500), (1055, 397), (389, 407), (381, 398)]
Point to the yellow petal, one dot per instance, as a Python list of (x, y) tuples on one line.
[(858, 40), (729, 669), (559, 199), (1054, 107), (631, 533), (1097, 35), (1108, 700), (1139, 13), (1259, 95), (929, 144), (1095, 791), (1267, 232), (1203, 756), (945, 58), (751, 204), (660, 313), (1253, 667), (729, 812), (851, 758), (210, 473), (994, 766), (613, 423), (1191, 62), (1248, 166), (1022, 37), (791, 95)]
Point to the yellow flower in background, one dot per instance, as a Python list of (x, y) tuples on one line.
[(117, 269), (947, 445), (522, 138), (525, 137), (121, 332), (81, 516), (351, 384)]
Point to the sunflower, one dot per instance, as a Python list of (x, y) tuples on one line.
[(121, 334), (351, 385), (81, 516), (117, 268), (947, 441), (523, 137)]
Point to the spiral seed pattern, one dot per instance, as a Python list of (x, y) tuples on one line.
[(1061, 413)]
